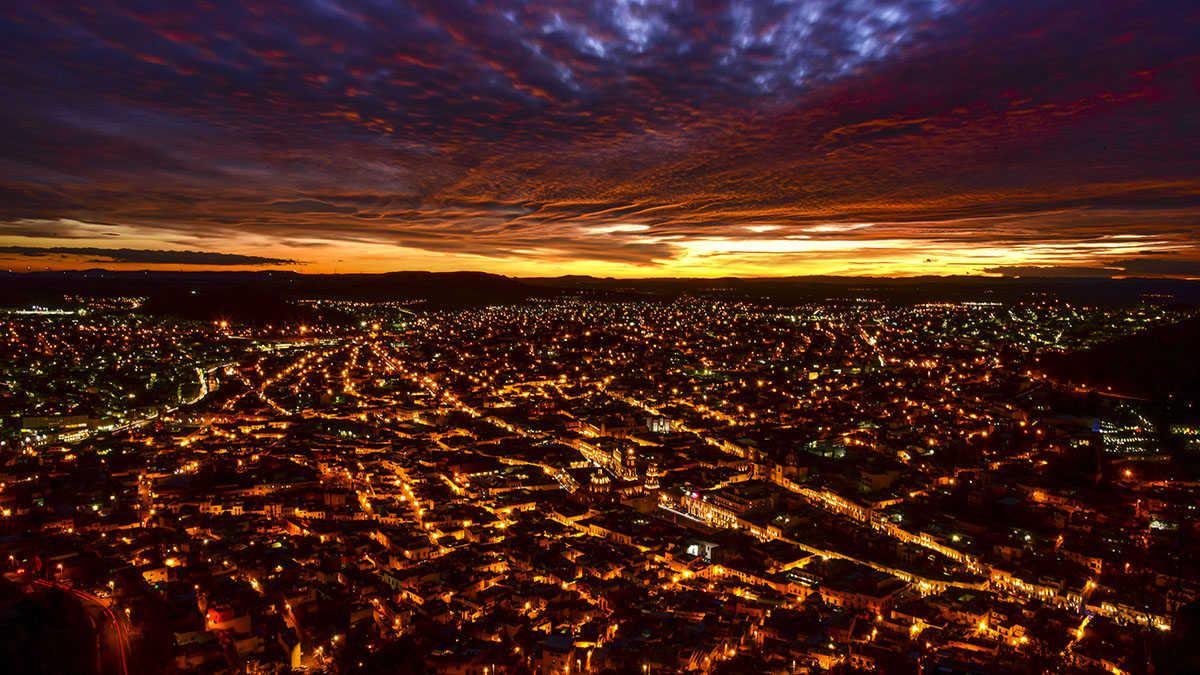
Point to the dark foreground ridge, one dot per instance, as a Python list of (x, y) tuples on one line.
[(1160, 363)]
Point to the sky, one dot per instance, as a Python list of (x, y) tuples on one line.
[(625, 138)]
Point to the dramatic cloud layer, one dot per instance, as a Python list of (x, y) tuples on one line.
[(129, 255), (625, 137)]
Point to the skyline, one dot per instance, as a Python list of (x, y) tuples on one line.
[(627, 139)]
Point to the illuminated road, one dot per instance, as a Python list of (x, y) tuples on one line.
[(117, 656)]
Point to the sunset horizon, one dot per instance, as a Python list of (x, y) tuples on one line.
[(625, 139)]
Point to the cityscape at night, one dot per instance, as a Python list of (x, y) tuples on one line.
[(588, 483), (600, 337)]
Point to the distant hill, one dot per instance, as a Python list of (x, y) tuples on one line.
[(271, 296), (239, 304), (439, 289), (792, 290), (265, 297), (1157, 363)]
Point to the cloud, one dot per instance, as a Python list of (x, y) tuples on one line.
[(1049, 271), (1159, 267), (1132, 267), (608, 133), (129, 255)]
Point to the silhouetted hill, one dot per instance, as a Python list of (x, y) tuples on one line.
[(271, 296), (439, 289), (1156, 363), (239, 304), (793, 290), (265, 297)]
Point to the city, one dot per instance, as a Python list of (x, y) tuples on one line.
[(600, 337), (670, 485)]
